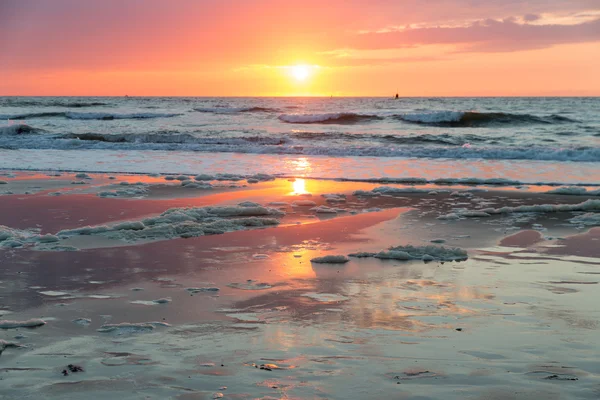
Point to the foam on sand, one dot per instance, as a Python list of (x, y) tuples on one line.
[(425, 253), (390, 190), (11, 238), (304, 203), (588, 205), (54, 293), (30, 323), (7, 345), (125, 328), (184, 223), (134, 191), (324, 210), (82, 321), (574, 191), (152, 302), (331, 259)]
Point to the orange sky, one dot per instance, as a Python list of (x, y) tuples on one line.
[(353, 47)]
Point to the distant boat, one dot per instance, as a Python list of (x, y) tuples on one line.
[(397, 96)]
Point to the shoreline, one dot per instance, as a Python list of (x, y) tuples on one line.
[(382, 169)]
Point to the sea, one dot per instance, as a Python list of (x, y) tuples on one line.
[(533, 140)]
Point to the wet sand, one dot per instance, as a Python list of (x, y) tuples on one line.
[(517, 320)]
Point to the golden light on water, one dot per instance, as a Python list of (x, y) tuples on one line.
[(299, 186), (300, 165)]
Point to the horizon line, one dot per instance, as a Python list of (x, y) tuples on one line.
[(315, 96)]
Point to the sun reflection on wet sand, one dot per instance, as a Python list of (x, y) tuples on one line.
[(299, 186)]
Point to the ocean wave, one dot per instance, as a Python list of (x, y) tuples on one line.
[(87, 116), (173, 138), (17, 102), (328, 118), (34, 115), (466, 119), (17, 129), (281, 145), (230, 110), (444, 139), (111, 116)]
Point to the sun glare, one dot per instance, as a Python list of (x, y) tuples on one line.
[(300, 72)]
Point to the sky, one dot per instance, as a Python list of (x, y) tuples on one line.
[(300, 48)]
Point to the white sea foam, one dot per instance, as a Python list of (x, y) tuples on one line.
[(131, 328), (11, 238), (304, 203), (7, 345), (324, 210), (82, 321), (587, 219), (425, 253), (391, 190), (152, 302), (330, 259), (30, 323), (131, 191), (588, 206), (399, 190), (574, 191), (173, 223), (184, 223)]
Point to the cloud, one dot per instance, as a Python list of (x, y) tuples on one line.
[(490, 35), (531, 17)]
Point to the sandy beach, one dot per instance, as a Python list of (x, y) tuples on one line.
[(230, 304)]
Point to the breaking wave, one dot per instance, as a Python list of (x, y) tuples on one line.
[(328, 118), (35, 115), (229, 110), (110, 116), (19, 102), (17, 129), (88, 116), (172, 138), (12, 139), (444, 139), (466, 119)]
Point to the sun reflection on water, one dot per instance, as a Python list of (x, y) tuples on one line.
[(300, 165)]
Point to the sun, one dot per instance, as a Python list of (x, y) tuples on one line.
[(300, 72)]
